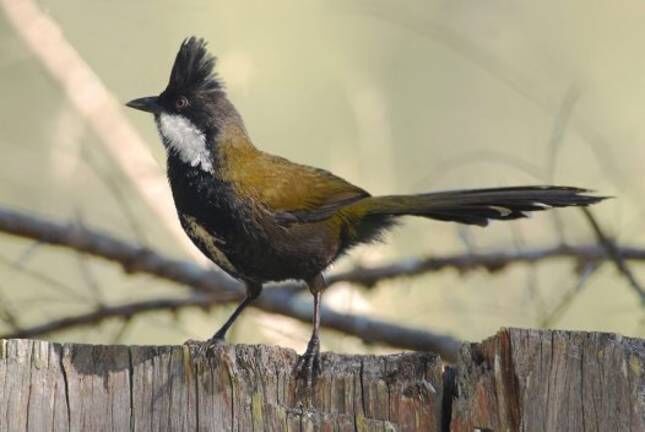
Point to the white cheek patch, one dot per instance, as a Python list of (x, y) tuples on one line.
[(183, 137)]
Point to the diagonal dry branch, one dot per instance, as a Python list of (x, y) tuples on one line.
[(132, 257), (98, 107), (615, 254)]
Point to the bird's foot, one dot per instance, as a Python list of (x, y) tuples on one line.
[(308, 366), (201, 350)]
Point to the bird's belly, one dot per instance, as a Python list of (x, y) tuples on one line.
[(256, 256), (298, 252)]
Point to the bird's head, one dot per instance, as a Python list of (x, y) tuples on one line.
[(192, 89), (193, 105)]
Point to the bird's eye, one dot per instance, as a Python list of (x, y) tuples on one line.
[(181, 102)]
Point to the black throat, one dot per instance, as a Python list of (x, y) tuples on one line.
[(198, 193)]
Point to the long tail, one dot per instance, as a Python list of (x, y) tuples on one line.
[(478, 206)]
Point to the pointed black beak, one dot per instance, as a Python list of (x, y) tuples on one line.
[(148, 104)]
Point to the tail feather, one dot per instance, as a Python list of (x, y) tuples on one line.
[(478, 206)]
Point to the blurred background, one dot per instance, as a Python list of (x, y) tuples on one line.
[(394, 96)]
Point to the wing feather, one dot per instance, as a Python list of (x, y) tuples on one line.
[(295, 192)]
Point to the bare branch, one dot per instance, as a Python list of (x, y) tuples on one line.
[(220, 288), (125, 311), (567, 299), (7, 314), (614, 253), (133, 258), (276, 300), (282, 301), (137, 259), (111, 183), (493, 261), (485, 60), (560, 124), (119, 336), (46, 280), (86, 272), (213, 287)]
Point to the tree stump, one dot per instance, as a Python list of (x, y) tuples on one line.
[(530, 380), (517, 380)]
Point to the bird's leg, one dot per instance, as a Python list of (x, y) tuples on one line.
[(309, 363), (253, 291)]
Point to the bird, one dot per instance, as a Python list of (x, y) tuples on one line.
[(263, 218)]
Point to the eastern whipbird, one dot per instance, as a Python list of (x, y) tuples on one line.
[(263, 218)]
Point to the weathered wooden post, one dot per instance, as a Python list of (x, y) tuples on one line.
[(517, 380)]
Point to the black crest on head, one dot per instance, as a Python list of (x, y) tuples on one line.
[(193, 68)]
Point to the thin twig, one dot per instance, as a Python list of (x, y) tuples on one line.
[(124, 311), (567, 299), (117, 191), (6, 312), (614, 253), (86, 272), (558, 131), (475, 53), (46, 280), (119, 336), (560, 124)]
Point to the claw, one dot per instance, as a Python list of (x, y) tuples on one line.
[(308, 365), (202, 349)]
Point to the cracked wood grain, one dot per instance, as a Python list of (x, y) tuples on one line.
[(518, 380), (51, 387), (530, 380)]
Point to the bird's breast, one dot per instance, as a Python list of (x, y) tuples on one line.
[(241, 235)]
